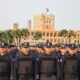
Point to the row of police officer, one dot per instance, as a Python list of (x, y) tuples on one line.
[(39, 63)]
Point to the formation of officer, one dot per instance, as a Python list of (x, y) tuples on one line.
[(5, 62), (39, 62)]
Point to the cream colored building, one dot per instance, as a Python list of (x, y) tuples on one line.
[(45, 22)]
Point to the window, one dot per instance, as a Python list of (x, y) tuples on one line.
[(43, 33), (78, 35), (75, 41), (47, 34), (51, 34), (78, 41), (55, 34)]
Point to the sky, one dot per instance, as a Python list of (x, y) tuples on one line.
[(67, 12)]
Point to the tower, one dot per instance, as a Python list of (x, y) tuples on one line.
[(44, 21), (29, 24), (15, 26)]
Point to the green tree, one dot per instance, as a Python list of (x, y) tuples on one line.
[(64, 33), (71, 34), (24, 32), (13, 35), (16, 35), (67, 34), (37, 35)]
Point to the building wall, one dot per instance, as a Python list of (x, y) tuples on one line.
[(55, 38), (45, 23)]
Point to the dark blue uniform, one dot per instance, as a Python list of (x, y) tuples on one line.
[(26, 65), (48, 66), (5, 64), (5, 67), (69, 67)]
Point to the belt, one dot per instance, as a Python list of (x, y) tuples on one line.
[(48, 75), (71, 75)]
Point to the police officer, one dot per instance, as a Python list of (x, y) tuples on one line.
[(56, 52), (13, 55), (26, 66), (69, 65), (78, 56), (78, 51), (39, 49), (5, 64), (48, 64), (13, 51)]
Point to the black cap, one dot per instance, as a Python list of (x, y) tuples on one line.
[(57, 45), (24, 45), (63, 46), (5, 45), (48, 45), (11, 45), (78, 45), (40, 45), (72, 46)]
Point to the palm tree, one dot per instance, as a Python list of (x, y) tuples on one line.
[(10, 36), (0, 36), (71, 34), (64, 33), (13, 35), (4, 36), (37, 35), (24, 32), (20, 33), (67, 34), (16, 35)]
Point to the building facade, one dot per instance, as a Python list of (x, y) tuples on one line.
[(45, 23)]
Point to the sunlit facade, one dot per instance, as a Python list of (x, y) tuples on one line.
[(45, 23)]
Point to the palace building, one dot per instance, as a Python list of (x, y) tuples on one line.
[(45, 23)]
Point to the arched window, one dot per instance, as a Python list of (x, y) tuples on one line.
[(75, 41), (43, 33), (51, 34), (55, 34), (78, 35), (47, 34), (78, 41)]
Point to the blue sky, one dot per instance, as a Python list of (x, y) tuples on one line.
[(67, 12)]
